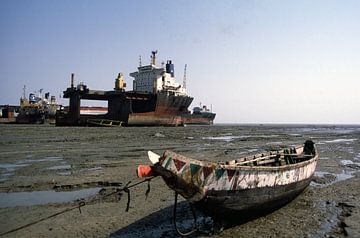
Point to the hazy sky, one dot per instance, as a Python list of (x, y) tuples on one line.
[(253, 61)]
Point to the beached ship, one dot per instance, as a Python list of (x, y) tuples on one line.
[(37, 109), (249, 185), (199, 116), (168, 101), (155, 100)]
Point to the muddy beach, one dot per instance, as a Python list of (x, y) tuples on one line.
[(47, 169)]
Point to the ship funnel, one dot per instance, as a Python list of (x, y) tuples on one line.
[(153, 57), (72, 80), (170, 68)]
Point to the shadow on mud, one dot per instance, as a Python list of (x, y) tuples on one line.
[(160, 224)]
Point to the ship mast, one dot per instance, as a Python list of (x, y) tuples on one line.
[(24, 92), (184, 79)]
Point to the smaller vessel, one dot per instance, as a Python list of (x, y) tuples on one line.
[(8, 113), (36, 109), (200, 116), (250, 185)]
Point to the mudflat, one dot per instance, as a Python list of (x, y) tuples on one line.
[(45, 170)]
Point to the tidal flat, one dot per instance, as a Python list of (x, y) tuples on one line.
[(46, 169)]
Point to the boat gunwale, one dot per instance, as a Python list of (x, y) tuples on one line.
[(217, 165)]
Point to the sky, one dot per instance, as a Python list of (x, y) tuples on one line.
[(251, 61)]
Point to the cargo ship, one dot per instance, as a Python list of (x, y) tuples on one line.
[(169, 99), (156, 99)]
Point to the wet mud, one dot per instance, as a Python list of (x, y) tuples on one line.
[(44, 170)]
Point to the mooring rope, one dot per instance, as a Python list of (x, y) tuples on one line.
[(82, 204), (195, 228)]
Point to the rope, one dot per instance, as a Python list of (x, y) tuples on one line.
[(195, 228), (82, 204), (45, 218)]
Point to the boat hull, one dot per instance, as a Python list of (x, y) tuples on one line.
[(198, 119), (246, 187), (31, 116), (248, 203), (166, 111)]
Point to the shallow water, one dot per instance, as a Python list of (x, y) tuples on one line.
[(43, 197)]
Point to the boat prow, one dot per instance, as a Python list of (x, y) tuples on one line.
[(153, 157)]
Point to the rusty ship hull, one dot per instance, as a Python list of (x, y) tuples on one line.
[(162, 110), (195, 119)]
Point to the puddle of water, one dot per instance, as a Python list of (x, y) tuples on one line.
[(46, 159), (64, 173), (346, 162), (274, 143), (12, 167), (357, 157), (339, 177), (59, 167), (5, 176), (229, 137), (43, 197), (332, 220), (264, 136), (8, 170), (339, 141), (350, 164), (226, 134), (223, 138), (93, 169), (67, 173)]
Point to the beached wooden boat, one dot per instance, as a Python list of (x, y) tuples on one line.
[(245, 186)]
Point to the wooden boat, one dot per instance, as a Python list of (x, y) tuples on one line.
[(249, 185)]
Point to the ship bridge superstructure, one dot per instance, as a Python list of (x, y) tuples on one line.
[(154, 79)]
